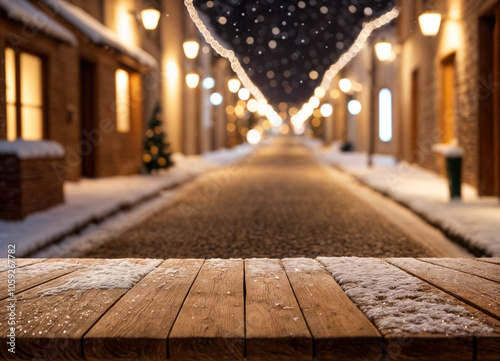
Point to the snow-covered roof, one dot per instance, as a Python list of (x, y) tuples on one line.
[(27, 149), (97, 32), (23, 11)]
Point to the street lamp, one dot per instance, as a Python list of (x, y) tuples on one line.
[(150, 18), (430, 22), (191, 48), (233, 85), (192, 80), (383, 49)]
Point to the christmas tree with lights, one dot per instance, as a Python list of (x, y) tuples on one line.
[(156, 150)]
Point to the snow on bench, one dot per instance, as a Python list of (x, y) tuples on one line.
[(258, 309)]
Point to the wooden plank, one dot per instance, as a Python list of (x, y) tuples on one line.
[(138, 325), (211, 323), (375, 285), (275, 327), (20, 262), (486, 270), (476, 291), (340, 330), (51, 321), (495, 260), (35, 274)]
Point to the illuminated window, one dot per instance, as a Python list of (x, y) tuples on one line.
[(24, 95), (385, 115), (122, 101)]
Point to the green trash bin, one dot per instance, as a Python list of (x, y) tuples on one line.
[(454, 172)]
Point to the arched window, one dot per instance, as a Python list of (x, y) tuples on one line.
[(385, 115)]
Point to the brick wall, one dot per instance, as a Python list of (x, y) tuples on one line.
[(27, 186), (458, 34)]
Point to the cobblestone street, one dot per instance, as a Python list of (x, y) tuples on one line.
[(279, 203)]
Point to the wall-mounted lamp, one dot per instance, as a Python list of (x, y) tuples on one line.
[(430, 21), (383, 49), (150, 18), (191, 48), (192, 79)]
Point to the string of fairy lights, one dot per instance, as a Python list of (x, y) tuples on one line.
[(308, 108)]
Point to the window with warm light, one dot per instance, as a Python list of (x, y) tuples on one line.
[(24, 95), (122, 101), (385, 115)]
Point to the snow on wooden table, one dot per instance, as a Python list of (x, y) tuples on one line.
[(258, 309)]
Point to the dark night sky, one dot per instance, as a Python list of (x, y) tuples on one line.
[(279, 43)]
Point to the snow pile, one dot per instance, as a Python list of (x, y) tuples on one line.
[(449, 150), (111, 275), (23, 11), (91, 201), (475, 221), (97, 32), (28, 149), (398, 302)]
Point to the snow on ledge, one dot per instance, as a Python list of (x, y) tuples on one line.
[(28, 149), (98, 33), (448, 150), (23, 11)]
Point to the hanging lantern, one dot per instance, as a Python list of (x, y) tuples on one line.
[(430, 21), (150, 18), (383, 49), (191, 48)]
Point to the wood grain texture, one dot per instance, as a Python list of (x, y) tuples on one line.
[(275, 327), (137, 326), (52, 326), (20, 262), (486, 270), (340, 330), (36, 273), (211, 323), (495, 260), (476, 291)]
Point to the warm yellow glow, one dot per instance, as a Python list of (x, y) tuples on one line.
[(239, 111), (284, 129), (292, 111), (319, 92), (230, 109), (314, 101), (150, 18), (192, 80), (335, 94), (230, 127), (10, 83), (383, 49), (430, 22), (244, 94), (316, 122), (326, 110), (31, 97), (122, 101), (191, 48), (233, 85), (345, 85), (253, 105), (253, 136), (317, 113)]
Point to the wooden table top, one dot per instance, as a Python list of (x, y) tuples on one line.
[(258, 309)]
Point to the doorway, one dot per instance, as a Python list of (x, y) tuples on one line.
[(448, 99), (87, 117), (489, 103)]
